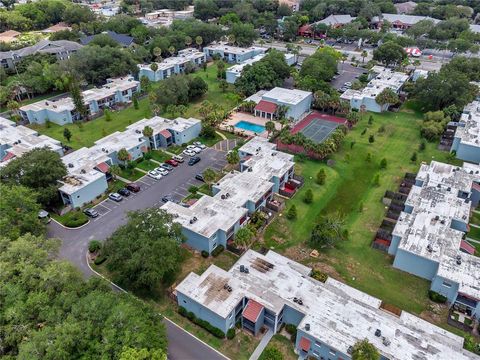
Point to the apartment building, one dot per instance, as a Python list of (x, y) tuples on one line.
[(214, 220), (88, 168), (172, 65), (15, 140), (466, 142), (62, 111), (235, 71), (400, 21), (380, 79), (266, 291), (232, 54), (428, 238)]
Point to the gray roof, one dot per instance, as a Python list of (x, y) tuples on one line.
[(121, 39), (336, 19), (43, 46), (406, 19)]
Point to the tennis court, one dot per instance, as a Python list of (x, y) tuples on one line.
[(318, 130)]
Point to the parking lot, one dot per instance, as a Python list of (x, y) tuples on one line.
[(348, 73)]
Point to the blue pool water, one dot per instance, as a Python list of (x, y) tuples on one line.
[(245, 125)]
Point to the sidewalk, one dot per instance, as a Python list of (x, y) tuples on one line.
[(262, 345)]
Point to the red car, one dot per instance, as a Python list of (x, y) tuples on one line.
[(171, 162)]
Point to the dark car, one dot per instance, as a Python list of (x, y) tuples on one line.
[(91, 212), (124, 192), (199, 177), (172, 162), (166, 167), (133, 187), (193, 160), (115, 197), (167, 198)]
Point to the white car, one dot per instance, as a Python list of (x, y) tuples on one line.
[(199, 145), (154, 174), (161, 171), (348, 84), (189, 152), (197, 150), (191, 147)]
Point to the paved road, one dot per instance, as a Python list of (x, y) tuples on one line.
[(75, 241), (348, 73), (183, 346)]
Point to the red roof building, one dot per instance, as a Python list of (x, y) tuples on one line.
[(103, 167), (266, 109), (166, 134), (252, 310)]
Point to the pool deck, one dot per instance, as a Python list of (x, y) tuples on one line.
[(229, 124)]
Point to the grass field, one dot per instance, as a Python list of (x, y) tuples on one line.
[(349, 184), (93, 130), (474, 233)]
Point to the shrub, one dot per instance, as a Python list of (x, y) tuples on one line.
[(436, 297), (321, 176), (381, 129), (205, 254), (292, 213), (193, 189), (75, 219), (364, 131), (191, 316), (383, 163), (292, 330), (271, 353), (99, 260), (182, 311), (147, 155), (308, 196), (371, 139), (376, 180), (231, 333), (94, 246), (370, 120), (217, 250), (414, 157), (319, 275), (422, 146)]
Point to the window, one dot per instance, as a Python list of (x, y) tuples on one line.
[(318, 344), (184, 302), (332, 352), (447, 285), (316, 354)]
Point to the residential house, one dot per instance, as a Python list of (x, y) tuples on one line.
[(267, 291), (292, 4), (235, 71), (88, 168), (406, 7), (173, 65), (62, 49), (380, 79), (399, 21), (297, 103), (475, 28), (62, 111), (165, 17), (15, 140), (428, 238), (120, 39), (332, 21), (232, 54), (466, 142), (214, 220)]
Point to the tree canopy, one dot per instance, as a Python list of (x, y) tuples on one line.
[(145, 252), (327, 232), (318, 69), (39, 169), (49, 312), (364, 350), (390, 54)]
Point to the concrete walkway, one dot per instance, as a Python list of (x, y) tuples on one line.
[(221, 135), (472, 240), (123, 179), (475, 225), (262, 345)]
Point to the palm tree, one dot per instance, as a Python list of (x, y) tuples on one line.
[(282, 111), (157, 52), (270, 127), (231, 39), (123, 155), (171, 50), (344, 58), (364, 54), (199, 41), (188, 41), (154, 68), (115, 170), (233, 157), (147, 131), (209, 176)]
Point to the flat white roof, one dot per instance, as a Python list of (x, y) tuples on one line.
[(207, 215), (234, 49), (286, 96), (338, 314), (21, 139), (385, 78), (158, 124), (184, 56), (469, 129), (427, 231)]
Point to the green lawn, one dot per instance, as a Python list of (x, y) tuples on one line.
[(146, 165), (160, 156), (348, 184), (131, 175), (475, 218), (474, 233), (95, 129)]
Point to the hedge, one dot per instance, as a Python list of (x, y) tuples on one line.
[(217, 250), (74, 219), (205, 254), (100, 260), (231, 333), (436, 297), (94, 246), (202, 323)]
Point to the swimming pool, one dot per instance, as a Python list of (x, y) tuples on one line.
[(245, 125)]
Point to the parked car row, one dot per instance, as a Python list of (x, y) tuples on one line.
[(195, 148), (116, 196)]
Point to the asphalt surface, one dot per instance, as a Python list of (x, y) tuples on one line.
[(113, 214), (348, 73)]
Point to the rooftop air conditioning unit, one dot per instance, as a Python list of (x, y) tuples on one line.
[(242, 268), (378, 333), (246, 270), (386, 342), (307, 327), (70, 165), (138, 131)]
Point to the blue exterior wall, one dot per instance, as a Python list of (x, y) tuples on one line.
[(392, 249), (188, 134), (295, 111), (230, 57), (415, 265), (318, 349), (205, 314), (87, 193), (292, 316), (40, 117), (468, 153), (439, 285), (459, 225)]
